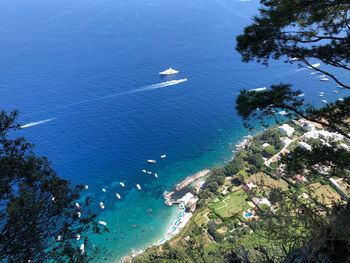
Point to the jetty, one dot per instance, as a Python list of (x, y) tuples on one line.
[(189, 184), (190, 179)]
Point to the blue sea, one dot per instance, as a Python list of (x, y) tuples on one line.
[(84, 76)]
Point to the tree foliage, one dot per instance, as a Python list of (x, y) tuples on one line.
[(40, 219), (300, 31)]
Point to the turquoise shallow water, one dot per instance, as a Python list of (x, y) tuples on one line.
[(82, 70)]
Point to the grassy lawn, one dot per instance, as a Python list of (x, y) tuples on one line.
[(232, 204), (261, 180), (201, 218), (325, 193), (344, 186)]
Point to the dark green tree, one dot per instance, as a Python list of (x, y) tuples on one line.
[(40, 217), (300, 31)]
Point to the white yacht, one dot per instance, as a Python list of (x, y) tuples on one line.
[(122, 184), (149, 172), (138, 187), (102, 223), (324, 101), (152, 161), (163, 156), (102, 205), (169, 71), (103, 190), (118, 196), (155, 175), (324, 79), (144, 171)]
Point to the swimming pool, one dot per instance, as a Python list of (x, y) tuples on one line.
[(248, 214)]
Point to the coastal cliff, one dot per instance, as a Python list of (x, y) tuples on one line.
[(235, 200)]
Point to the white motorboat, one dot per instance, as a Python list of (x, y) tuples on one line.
[(138, 187), (144, 171), (82, 248), (118, 196), (102, 205), (149, 172), (152, 161), (324, 79), (163, 156), (155, 175), (169, 71), (324, 101), (316, 65), (103, 190), (102, 223), (122, 184)]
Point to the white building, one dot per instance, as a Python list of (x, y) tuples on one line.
[(344, 146), (311, 134), (286, 141), (188, 199), (286, 130), (264, 201), (304, 145)]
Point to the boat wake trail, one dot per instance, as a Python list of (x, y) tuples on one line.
[(35, 123), (145, 88), (161, 85)]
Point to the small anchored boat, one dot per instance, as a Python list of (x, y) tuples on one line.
[(138, 187), (122, 184), (103, 190), (316, 65), (144, 171), (152, 161), (155, 175), (324, 101), (102, 206), (118, 196), (163, 156), (102, 223)]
